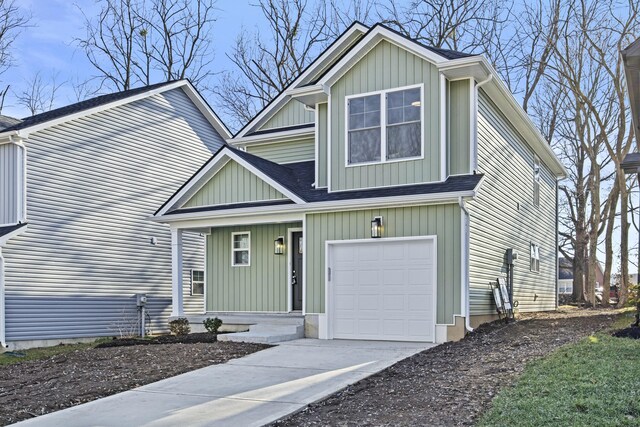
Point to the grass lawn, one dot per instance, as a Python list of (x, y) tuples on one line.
[(595, 382), (44, 352)]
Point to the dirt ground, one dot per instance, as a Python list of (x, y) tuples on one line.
[(452, 384), (33, 388)]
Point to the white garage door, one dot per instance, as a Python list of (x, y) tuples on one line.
[(382, 289)]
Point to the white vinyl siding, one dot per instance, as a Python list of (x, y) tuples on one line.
[(93, 183)]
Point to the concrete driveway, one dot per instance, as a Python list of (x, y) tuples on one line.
[(250, 391)]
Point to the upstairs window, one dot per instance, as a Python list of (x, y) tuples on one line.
[(534, 263), (536, 182), (385, 126)]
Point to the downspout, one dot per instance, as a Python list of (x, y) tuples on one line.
[(465, 256), (3, 338)]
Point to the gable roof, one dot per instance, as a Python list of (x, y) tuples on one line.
[(328, 59), (6, 121), (9, 231), (297, 180), (99, 103)]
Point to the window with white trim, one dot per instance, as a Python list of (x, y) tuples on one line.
[(386, 126), (534, 263), (241, 249), (536, 182), (197, 282)]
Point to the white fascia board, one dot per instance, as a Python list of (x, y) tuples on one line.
[(369, 42), (349, 204), (206, 110), (5, 238), (277, 103), (207, 173), (24, 133), (269, 137)]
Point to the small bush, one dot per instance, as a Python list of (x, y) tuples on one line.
[(180, 326), (212, 325)]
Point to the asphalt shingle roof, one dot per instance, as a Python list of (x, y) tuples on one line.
[(81, 106), (10, 228), (299, 177), (6, 121)]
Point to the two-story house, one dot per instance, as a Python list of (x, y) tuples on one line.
[(77, 185), (376, 197)]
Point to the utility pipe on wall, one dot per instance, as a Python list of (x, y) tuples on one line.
[(465, 263)]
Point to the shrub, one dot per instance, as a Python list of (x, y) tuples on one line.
[(212, 325), (180, 326)]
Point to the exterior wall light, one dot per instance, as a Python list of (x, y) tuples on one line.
[(376, 227), (278, 248)]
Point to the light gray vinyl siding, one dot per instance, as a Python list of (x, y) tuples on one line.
[(292, 113), (503, 216), (442, 221), (299, 150), (92, 185), (10, 166), (386, 66), (323, 132), (459, 127)]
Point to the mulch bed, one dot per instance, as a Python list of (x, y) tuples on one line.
[(195, 338), (630, 332), (37, 387), (451, 384)]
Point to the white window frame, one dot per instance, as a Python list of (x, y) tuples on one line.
[(383, 125), (193, 281), (534, 257), (234, 250), (537, 173)]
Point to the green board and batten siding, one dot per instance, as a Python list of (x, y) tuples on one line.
[(440, 220), (292, 113), (386, 66), (260, 287), (459, 126), (323, 127), (299, 150), (233, 184), (504, 216)]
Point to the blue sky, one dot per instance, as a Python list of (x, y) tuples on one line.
[(49, 44)]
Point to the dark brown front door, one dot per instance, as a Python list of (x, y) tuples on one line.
[(296, 266)]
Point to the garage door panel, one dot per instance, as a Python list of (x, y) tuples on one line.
[(388, 292)]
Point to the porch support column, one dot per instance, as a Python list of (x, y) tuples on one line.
[(177, 309)]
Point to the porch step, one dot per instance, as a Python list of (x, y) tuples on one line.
[(267, 333)]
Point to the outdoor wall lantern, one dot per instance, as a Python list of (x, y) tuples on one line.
[(279, 246), (376, 227)]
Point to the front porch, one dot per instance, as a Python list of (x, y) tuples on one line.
[(253, 280)]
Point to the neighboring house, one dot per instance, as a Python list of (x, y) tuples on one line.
[(376, 196), (77, 186), (565, 276)]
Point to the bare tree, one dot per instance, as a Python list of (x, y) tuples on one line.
[(39, 94), (144, 41), (12, 21), (265, 65)]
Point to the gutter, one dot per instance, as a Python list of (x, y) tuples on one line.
[(3, 337), (465, 293)]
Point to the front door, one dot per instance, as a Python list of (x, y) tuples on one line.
[(296, 270)]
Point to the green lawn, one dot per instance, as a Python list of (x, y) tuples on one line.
[(44, 352), (595, 382)]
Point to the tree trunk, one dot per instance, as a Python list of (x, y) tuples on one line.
[(624, 240)]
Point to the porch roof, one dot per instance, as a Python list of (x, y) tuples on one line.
[(300, 177)]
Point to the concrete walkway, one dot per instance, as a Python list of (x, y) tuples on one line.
[(250, 391)]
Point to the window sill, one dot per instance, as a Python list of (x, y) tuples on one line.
[(405, 159)]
